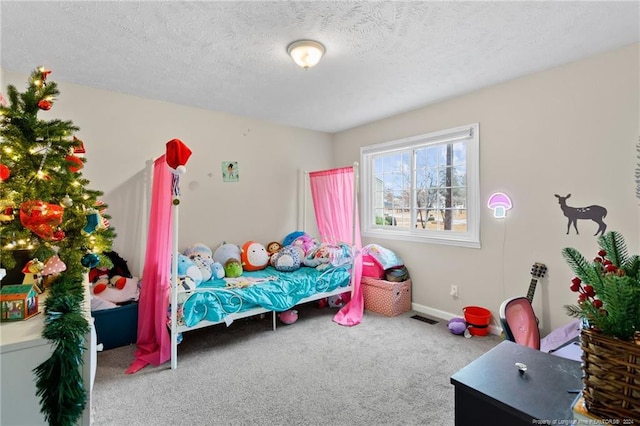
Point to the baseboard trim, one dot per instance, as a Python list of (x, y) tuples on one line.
[(437, 313)]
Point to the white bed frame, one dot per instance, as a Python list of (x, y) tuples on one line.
[(176, 329)]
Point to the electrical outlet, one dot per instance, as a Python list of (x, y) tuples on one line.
[(454, 291)]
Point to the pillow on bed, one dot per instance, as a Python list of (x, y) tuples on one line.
[(287, 259)]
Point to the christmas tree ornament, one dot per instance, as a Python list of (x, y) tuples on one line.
[(58, 235), (6, 211), (41, 218), (44, 73), (93, 220), (52, 268), (90, 260), (79, 146), (54, 265), (66, 201), (44, 104), (177, 155), (74, 163), (4, 173)]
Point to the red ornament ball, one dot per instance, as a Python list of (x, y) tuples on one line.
[(45, 105), (4, 173), (58, 235), (74, 163)]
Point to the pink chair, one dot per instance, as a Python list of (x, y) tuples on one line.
[(519, 322)]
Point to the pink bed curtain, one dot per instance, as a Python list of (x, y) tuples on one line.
[(333, 194), (154, 342)]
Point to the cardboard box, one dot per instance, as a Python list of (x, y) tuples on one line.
[(117, 326), (386, 297), (19, 302)]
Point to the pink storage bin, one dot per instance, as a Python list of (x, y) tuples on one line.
[(386, 297), (371, 268)]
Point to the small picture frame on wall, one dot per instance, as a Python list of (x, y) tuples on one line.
[(230, 172)]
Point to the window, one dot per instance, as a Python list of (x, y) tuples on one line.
[(424, 188)]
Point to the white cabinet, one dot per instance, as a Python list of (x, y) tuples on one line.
[(22, 348)]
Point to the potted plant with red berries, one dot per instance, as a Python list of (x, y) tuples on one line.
[(608, 290)]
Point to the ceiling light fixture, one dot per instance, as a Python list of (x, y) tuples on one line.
[(306, 53)]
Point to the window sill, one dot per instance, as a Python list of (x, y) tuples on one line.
[(460, 241)]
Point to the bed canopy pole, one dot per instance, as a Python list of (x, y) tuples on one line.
[(177, 156), (174, 272), (356, 176)]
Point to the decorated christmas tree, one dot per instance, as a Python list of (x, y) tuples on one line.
[(48, 212)]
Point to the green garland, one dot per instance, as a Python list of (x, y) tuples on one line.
[(59, 381)]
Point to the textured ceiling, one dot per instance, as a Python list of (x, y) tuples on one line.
[(382, 58)]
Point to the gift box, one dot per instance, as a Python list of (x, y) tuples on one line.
[(116, 327), (386, 297), (18, 302)]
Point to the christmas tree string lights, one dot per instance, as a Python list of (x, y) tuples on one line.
[(43, 203)]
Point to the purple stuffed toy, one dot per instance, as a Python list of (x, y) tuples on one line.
[(457, 326)]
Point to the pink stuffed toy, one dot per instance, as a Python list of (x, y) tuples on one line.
[(288, 317)]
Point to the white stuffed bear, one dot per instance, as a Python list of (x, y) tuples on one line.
[(202, 256)]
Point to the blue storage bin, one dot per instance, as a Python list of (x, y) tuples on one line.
[(117, 326)]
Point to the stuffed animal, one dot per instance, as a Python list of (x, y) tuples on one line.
[(188, 274), (457, 326), (306, 244), (287, 259), (273, 247), (292, 236), (335, 301), (227, 251), (119, 265), (254, 256), (202, 256), (288, 317), (232, 268), (101, 277), (217, 271)]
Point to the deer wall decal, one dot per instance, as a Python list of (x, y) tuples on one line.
[(595, 213)]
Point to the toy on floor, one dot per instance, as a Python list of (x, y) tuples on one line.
[(288, 317), (457, 326)]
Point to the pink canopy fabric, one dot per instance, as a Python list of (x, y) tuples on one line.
[(154, 343), (333, 194)]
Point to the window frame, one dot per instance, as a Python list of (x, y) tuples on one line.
[(470, 238)]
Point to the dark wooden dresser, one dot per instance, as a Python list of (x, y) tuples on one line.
[(491, 390)]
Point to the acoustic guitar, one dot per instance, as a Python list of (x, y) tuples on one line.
[(537, 271)]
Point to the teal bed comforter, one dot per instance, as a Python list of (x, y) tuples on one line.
[(269, 288)]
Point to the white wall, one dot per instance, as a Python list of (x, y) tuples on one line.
[(123, 133), (572, 129)]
